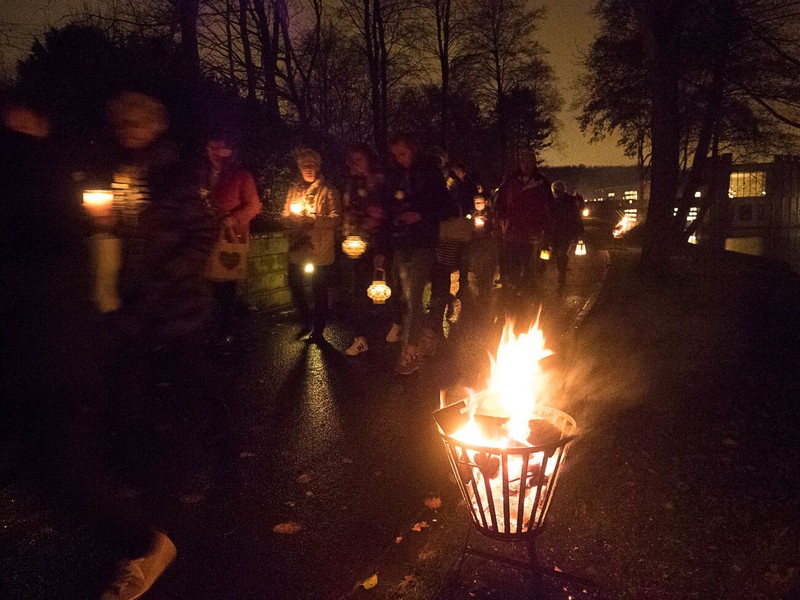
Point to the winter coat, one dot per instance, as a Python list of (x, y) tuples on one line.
[(312, 237), (523, 209), (420, 189), (363, 200), (566, 218), (234, 194), (463, 194), (167, 232)]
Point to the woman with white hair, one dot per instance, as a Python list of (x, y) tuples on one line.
[(311, 217)]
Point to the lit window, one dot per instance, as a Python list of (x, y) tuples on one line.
[(747, 185), (611, 194), (631, 195)]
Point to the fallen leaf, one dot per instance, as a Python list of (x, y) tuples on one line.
[(303, 478), (287, 528), (309, 493), (246, 455), (419, 526), (557, 569), (426, 554), (192, 498), (408, 581), (347, 461), (398, 539), (433, 503), (370, 582)]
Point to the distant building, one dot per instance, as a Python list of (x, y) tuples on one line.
[(760, 213)]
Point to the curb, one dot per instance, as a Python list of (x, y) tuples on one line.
[(584, 312)]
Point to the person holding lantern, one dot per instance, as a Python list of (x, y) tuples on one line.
[(483, 250), (567, 227), (233, 198), (522, 214), (420, 202), (311, 217), (364, 206)]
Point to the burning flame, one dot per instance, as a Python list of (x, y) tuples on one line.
[(516, 386), (624, 226)]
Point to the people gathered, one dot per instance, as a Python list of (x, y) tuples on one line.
[(389, 246)]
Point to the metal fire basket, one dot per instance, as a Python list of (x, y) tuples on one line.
[(507, 490)]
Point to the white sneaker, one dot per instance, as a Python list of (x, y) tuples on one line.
[(359, 345), (138, 575), (394, 333)]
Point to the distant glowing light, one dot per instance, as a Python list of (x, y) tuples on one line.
[(309, 268)]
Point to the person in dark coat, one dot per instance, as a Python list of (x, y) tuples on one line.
[(50, 353), (419, 203), (567, 226), (523, 222), (364, 205), (165, 232)]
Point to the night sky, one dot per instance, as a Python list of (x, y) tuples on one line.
[(566, 33)]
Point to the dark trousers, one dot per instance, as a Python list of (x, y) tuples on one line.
[(319, 281), (225, 295), (517, 264), (561, 250), (359, 273), (440, 296)]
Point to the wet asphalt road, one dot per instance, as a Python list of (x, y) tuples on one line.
[(340, 445)]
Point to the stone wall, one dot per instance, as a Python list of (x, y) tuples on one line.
[(267, 271)]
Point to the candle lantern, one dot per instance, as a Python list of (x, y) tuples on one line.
[(297, 207), (480, 222), (379, 292), (98, 202), (309, 268), (580, 248), (353, 246), (545, 253)]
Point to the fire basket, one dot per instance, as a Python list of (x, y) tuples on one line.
[(508, 490)]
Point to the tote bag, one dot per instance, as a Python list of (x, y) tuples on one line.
[(228, 260)]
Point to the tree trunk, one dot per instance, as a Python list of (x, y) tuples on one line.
[(189, 10), (269, 57), (661, 22), (249, 67)]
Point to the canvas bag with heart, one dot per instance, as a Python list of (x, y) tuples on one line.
[(228, 260)]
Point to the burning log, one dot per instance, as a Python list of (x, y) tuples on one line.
[(543, 433)]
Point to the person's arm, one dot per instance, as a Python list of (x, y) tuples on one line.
[(249, 202), (330, 213)]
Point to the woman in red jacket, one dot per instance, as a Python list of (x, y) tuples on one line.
[(233, 198)]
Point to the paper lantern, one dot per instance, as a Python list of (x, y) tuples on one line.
[(545, 254), (379, 292), (580, 248), (353, 246)]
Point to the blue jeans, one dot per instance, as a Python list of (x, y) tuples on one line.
[(411, 269)]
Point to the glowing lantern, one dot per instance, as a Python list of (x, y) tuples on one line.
[(580, 248), (98, 202), (544, 254), (309, 268), (297, 207), (353, 246), (480, 222), (379, 292), (585, 212)]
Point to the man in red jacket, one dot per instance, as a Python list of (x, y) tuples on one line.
[(523, 219)]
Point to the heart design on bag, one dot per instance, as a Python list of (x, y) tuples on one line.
[(230, 260)]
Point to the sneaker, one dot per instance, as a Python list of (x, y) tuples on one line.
[(428, 343), (410, 361), (394, 333), (455, 311), (136, 576), (359, 345)]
